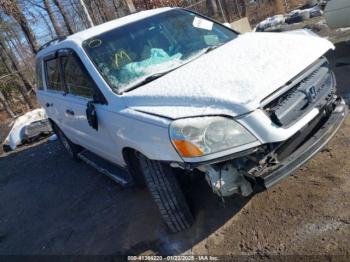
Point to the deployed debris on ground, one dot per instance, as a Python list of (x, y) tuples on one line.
[(276, 23), (320, 19), (27, 128)]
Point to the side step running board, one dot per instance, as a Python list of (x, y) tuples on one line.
[(107, 168)]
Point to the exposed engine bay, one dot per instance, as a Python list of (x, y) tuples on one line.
[(241, 175)]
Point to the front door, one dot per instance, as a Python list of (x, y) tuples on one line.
[(80, 90)]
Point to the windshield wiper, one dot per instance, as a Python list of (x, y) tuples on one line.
[(210, 48), (144, 81)]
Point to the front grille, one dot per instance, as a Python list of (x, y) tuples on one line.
[(315, 89)]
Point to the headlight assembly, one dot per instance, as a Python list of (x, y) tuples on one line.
[(193, 137)]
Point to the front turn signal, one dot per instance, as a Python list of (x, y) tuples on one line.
[(187, 149)]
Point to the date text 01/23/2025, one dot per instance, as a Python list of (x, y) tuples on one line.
[(173, 258)]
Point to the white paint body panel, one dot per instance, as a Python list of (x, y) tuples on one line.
[(231, 80)]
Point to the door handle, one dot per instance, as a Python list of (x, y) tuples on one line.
[(70, 112)]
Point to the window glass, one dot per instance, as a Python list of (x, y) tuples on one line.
[(126, 55), (77, 80), (53, 81), (39, 74)]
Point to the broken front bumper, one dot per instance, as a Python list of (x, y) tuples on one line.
[(306, 151)]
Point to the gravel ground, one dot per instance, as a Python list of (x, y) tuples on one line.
[(50, 204)]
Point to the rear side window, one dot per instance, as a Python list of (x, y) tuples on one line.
[(78, 81), (39, 74), (53, 81)]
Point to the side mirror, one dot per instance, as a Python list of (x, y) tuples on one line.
[(91, 115)]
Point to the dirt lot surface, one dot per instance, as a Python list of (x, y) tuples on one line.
[(50, 204)]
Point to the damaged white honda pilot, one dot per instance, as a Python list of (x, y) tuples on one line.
[(169, 94)]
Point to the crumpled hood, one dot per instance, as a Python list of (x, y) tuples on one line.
[(231, 80)]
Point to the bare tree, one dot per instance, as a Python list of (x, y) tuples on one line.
[(47, 24), (131, 6), (53, 18), (6, 105), (93, 11), (89, 21), (13, 9), (11, 44), (65, 16), (101, 11), (11, 62), (26, 60), (105, 12), (213, 8), (280, 6), (25, 54)]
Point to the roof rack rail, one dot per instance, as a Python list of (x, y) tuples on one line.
[(55, 40)]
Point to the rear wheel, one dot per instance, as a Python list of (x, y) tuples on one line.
[(166, 192), (71, 148)]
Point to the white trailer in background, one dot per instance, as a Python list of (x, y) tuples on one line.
[(337, 13)]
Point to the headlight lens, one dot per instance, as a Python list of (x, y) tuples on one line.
[(193, 137)]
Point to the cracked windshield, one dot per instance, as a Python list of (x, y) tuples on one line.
[(142, 51)]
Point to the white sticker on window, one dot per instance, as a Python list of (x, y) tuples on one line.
[(202, 23)]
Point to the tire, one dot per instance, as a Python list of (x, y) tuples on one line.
[(166, 192), (72, 149), (131, 159)]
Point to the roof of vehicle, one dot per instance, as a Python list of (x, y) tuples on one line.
[(99, 29)]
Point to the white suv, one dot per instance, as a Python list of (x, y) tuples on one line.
[(168, 93)]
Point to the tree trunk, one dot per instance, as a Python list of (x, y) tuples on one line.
[(52, 33), (27, 54), (13, 9), (64, 15), (213, 8), (11, 63), (10, 39), (280, 7), (223, 6), (89, 21), (53, 19), (27, 63), (14, 64), (131, 6), (100, 12), (24, 53), (105, 10), (6, 105), (95, 15), (28, 33)]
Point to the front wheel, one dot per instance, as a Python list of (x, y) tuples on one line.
[(167, 194)]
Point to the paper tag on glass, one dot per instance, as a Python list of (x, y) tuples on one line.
[(202, 23)]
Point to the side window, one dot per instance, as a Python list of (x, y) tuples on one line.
[(78, 82), (53, 79), (39, 74)]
